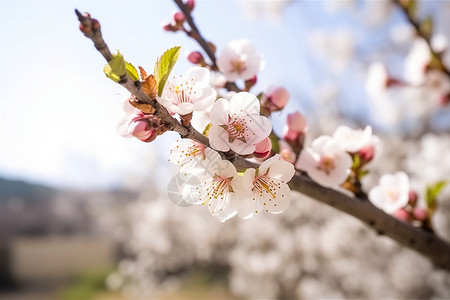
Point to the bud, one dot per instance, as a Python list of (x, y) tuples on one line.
[(295, 128), (141, 129), (444, 99), (420, 214), (250, 83), (286, 152), (402, 214), (367, 153), (170, 27), (263, 148), (412, 198), (190, 4), (297, 122), (278, 97), (196, 57), (178, 17)]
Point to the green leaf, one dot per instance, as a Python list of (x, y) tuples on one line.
[(206, 130), (115, 67), (433, 191), (275, 143), (164, 66), (132, 72)]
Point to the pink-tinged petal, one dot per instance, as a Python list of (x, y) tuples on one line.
[(326, 180), (122, 127), (219, 112), (241, 148), (281, 170), (218, 138), (267, 163), (246, 206), (322, 142), (259, 128), (199, 75), (308, 160), (244, 102)]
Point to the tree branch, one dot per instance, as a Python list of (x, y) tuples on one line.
[(419, 240)]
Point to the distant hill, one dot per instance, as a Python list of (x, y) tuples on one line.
[(24, 190)]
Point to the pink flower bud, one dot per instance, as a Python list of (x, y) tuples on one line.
[(402, 214), (278, 97), (178, 17), (144, 127), (286, 152), (196, 57), (190, 4), (444, 100), (297, 122), (290, 135), (366, 153), (412, 198), (420, 214), (263, 148)]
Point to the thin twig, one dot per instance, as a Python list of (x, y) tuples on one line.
[(414, 23), (419, 240)]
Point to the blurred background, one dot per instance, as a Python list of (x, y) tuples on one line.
[(84, 212)]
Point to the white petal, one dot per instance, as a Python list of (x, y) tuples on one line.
[(199, 75), (259, 127), (281, 170), (185, 108), (246, 206), (308, 160), (282, 200), (218, 138), (208, 98), (219, 112), (242, 148), (244, 102)]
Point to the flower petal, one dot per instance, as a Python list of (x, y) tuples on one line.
[(218, 138), (244, 102), (219, 112)]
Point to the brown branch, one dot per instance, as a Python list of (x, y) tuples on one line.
[(419, 240), (196, 35), (403, 6)]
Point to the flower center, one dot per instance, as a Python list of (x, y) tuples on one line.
[(265, 185), (218, 188), (238, 66), (183, 92), (326, 164), (236, 129), (392, 195)]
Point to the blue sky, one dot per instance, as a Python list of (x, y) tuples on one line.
[(59, 111)]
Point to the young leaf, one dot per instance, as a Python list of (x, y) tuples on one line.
[(149, 86), (131, 71), (164, 66), (275, 143), (115, 67), (433, 191)]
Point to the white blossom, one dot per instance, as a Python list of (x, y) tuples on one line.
[(270, 192), (239, 60), (353, 140), (325, 162), (237, 124), (392, 192), (191, 92)]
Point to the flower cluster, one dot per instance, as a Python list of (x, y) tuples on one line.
[(330, 160), (238, 126)]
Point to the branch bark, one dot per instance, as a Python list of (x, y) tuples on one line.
[(419, 240)]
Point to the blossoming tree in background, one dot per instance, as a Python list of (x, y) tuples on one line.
[(235, 165)]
